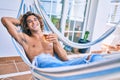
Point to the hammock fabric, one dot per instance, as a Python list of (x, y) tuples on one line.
[(93, 71)]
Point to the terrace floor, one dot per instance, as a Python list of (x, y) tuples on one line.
[(13, 68)]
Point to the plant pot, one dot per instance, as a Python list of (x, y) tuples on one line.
[(83, 50)]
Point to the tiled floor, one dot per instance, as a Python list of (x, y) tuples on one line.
[(13, 68)]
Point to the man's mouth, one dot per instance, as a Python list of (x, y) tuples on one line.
[(34, 26)]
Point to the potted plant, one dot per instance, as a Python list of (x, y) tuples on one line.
[(83, 41)]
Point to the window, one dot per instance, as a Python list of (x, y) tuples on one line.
[(53, 9), (114, 15), (75, 17)]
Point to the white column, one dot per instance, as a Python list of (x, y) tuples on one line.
[(64, 15)]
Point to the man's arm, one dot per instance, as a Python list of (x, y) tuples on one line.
[(10, 24), (58, 49)]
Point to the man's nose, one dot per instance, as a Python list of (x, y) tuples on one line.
[(33, 22)]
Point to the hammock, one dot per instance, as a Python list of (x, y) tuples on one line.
[(103, 69), (92, 71)]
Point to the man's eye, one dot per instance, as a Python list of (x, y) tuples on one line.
[(29, 21), (35, 19)]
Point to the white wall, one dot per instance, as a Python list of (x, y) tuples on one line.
[(7, 8), (100, 21)]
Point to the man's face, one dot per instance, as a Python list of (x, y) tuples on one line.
[(33, 23)]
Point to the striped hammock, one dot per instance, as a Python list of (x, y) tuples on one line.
[(105, 70), (108, 69)]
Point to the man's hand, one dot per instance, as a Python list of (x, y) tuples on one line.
[(53, 38)]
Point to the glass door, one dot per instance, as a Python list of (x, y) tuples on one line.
[(75, 19)]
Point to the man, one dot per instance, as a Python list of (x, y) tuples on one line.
[(37, 47)]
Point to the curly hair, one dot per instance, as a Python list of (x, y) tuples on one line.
[(23, 22)]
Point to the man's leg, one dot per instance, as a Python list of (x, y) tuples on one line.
[(46, 60)]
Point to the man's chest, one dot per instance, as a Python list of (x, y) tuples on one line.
[(38, 45)]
